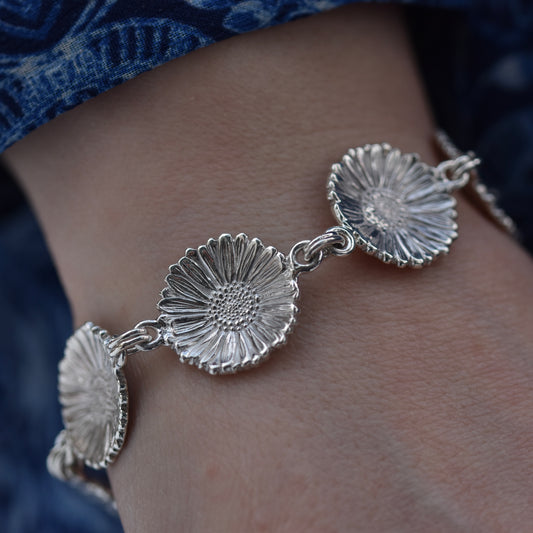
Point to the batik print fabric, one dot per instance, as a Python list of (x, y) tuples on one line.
[(56, 54)]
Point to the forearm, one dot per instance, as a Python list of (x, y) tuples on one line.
[(358, 422)]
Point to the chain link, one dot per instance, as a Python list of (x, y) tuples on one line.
[(479, 192), (137, 339), (304, 265), (457, 171), (307, 255)]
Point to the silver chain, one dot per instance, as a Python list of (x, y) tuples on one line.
[(457, 171), (307, 255), (137, 339), (484, 198)]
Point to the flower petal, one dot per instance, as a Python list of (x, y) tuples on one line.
[(246, 259), (191, 267)]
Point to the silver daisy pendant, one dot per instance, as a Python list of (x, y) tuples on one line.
[(398, 208), (228, 303), (94, 398)]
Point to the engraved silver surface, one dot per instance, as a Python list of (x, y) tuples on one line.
[(228, 303), (93, 397), (398, 208)]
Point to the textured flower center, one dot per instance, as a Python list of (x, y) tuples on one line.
[(234, 306), (383, 208)]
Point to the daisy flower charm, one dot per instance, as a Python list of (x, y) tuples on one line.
[(228, 303), (398, 208), (94, 398)]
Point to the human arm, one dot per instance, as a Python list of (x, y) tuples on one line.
[(403, 399)]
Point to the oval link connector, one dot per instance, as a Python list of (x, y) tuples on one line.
[(303, 265), (334, 241), (457, 171), (137, 339)]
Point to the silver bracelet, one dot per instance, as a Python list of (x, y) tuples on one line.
[(229, 302)]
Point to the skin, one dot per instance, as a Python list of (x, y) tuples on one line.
[(403, 399)]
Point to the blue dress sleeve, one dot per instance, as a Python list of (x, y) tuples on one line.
[(56, 54)]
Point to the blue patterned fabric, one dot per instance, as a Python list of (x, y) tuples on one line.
[(54, 54)]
